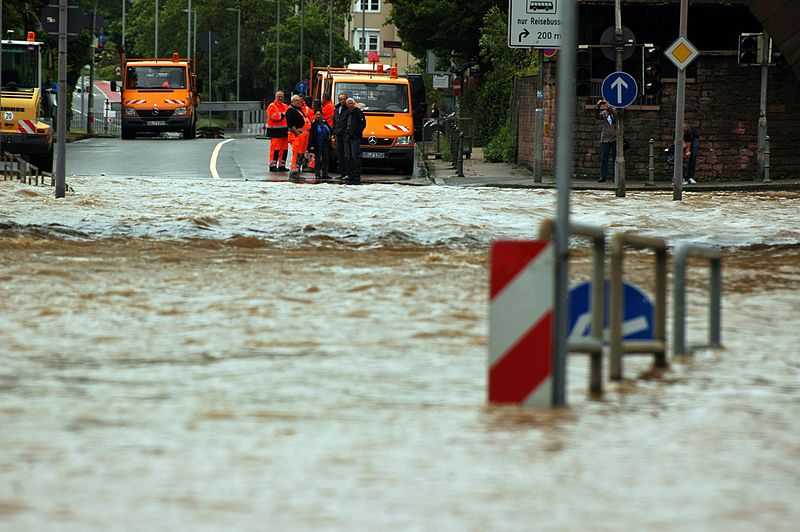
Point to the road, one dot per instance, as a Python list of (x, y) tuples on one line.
[(169, 156), (102, 93)]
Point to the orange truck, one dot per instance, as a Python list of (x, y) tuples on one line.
[(158, 95), (386, 99)]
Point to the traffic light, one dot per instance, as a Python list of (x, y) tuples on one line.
[(583, 73), (774, 54), (98, 55), (751, 48), (651, 85)]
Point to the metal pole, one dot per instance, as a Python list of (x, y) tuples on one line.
[(189, 30), (123, 21), (762, 110), (330, 35), (302, 28), (209, 77), (61, 125), (619, 162), (680, 98), (564, 169), (155, 47), (766, 161), (278, 49), (538, 122), (651, 164), (364, 30), (90, 115), (194, 33)]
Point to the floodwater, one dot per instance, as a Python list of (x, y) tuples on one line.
[(208, 355)]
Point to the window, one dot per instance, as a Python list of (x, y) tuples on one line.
[(373, 37), (368, 6)]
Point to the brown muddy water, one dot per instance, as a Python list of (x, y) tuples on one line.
[(213, 355)]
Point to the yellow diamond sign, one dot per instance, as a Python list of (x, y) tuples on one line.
[(681, 52)]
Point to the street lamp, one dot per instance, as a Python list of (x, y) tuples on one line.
[(156, 43), (238, 10), (189, 30)]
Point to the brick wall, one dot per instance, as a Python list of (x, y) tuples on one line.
[(722, 102)]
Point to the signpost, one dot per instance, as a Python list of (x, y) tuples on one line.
[(619, 89), (534, 23)]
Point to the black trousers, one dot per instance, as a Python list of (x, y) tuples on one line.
[(341, 154), (353, 147)]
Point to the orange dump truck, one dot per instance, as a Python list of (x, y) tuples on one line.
[(158, 95)]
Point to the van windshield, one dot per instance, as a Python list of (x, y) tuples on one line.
[(155, 77), (386, 97)]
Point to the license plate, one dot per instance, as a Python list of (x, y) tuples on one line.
[(158, 122), (373, 155)]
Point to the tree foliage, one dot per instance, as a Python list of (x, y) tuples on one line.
[(450, 28)]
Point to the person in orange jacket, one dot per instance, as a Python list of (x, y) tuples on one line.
[(278, 132), (308, 160), (327, 110), (300, 126)]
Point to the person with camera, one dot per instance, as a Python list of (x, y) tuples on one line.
[(608, 136)]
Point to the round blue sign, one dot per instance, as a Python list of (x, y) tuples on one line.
[(301, 88), (619, 89)]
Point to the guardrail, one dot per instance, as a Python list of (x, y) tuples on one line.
[(592, 346), (680, 262), (617, 346)]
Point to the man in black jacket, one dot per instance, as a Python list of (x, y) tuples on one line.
[(340, 113), (356, 123)]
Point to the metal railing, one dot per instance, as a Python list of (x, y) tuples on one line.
[(617, 345), (682, 254), (593, 345), (16, 168)]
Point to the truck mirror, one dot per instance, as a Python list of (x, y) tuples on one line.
[(113, 86)]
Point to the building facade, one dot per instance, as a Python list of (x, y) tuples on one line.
[(367, 31)]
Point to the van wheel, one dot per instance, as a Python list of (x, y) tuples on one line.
[(127, 133), (190, 132), (407, 168)]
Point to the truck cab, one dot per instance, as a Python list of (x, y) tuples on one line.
[(158, 95), (27, 106)]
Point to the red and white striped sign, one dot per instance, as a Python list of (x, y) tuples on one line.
[(521, 322), (134, 102), (392, 127), (175, 102), (26, 127)]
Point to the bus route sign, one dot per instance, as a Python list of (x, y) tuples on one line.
[(534, 23)]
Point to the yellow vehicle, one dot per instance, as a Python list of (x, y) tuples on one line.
[(386, 100), (27, 108), (158, 95)]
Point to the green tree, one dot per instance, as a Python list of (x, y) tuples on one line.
[(450, 28)]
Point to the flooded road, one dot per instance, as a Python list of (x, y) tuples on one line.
[(213, 354)]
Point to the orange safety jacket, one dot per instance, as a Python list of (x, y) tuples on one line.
[(327, 112), (276, 120)]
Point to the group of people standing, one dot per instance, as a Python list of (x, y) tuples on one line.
[(311, 132)]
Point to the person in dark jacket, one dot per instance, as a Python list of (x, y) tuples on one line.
[(691, 145), (320, 145), (356, 123), (340, 113)]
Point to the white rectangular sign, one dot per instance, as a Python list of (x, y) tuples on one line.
[(441, 81), (534, 23)]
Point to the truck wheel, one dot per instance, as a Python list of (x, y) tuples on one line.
[(127, 133), (407, 168), (43, 161)]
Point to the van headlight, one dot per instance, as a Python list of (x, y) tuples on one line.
[(180, 111), (130, 111), (403, 141)]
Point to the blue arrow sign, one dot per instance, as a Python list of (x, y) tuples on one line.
[(619, 89), (637, 319)]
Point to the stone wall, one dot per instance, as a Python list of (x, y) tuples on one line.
[(722, 102)]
